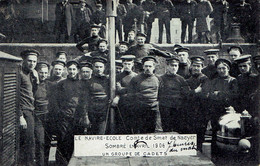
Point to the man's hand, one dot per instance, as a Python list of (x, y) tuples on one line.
[(198, 89), (23, 122), (115, 101), (118, 86), (216, 92)]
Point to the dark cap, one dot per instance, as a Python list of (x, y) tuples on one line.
[(211, 51), (59, 62), (95, 26), (197, 59), (42, 64), (85, 64), (61, 53), (256, 59), (235, 47), (182, 49), (124, 43), (141, 34), (176, 46), (222, 60), (173, 59), (243, 58), (127, 57), (28, 52), (119, 63), (99, 59), (101, 41), (82, 1), (98, 5), (149, 58), (72, 62)]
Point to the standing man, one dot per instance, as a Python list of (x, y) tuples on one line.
[(121, 13), (184, 66), (164, 10), (143, 90), (172, 92), (64, 20), (233, 53), (99, 18), (203, 10), (129, 18), (28, 84), (210, 70), (187, 16)]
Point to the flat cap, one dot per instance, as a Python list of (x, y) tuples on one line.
[(173, 59), (59, 62), (141, 34), (85, 64), (222, 60), (98, 5), (102, 41), (243, 58), (119, 63), (72, 62), (61, 53), (99, 59), (28, 52), (149, 58), (95, 26), (211, 51), (123, 43), (182, 49), (176, 46), (42, 64), (197, 59), (127, 57), (235, 47)]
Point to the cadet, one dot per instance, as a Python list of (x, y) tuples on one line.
[(143, 90), (125, 116), (233, 53), (96, 93), (210, 70), (171, 94), (222, 92), (131, 38), (123, 47), (99, 18), (121, 13), (119, 66), (196, 114), (184, 66), (28, 83), (92, 41), (102, 49), (41, 109), (69, 91), (85, 70), (61, 56), (247, 84)]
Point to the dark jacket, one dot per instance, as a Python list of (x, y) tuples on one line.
[(187, 10), (210, 71), (91, 41), (41, 96), (203, 10), (165, 9), (184, 70)]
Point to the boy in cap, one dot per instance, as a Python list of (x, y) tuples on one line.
[(99, 18), (171, 94), (85, 70), (123, 47), (143, 90), (28, 84), (210, 70), (69, 91), (233, 53), (196, 114), (184, 65), (102, 49), (122, 98), (92, 41), (61, 56)]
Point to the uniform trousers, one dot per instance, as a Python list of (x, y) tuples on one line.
[(184, 24), (171, 119), (164, 21), (125, 118)]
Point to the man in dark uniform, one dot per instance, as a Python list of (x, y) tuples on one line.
[(187, 16), (102, 49), (61, 56), (184, 66), (69, 91), (210, 70), (131, 38), (164, 10), (119, 66), (99, 18), (125, 115), (196, 114), (92, 41), (233, 53), (85, 70), (28, 84), (122, 49), (149, 7), (172, 91), (121, 13), (143, 90)]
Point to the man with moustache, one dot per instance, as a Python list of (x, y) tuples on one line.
[(131, 38), (233, 53), (210, 70), (172, 92), (143, 90), (28, 84), (122, 100), (184, 65)]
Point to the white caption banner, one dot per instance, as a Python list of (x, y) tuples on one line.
[(135, 145)]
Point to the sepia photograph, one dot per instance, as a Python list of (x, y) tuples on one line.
[(129, 82)]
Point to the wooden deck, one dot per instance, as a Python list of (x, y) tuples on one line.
[(198, 160)]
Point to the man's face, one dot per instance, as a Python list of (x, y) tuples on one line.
[(128, 65), (140, 40), (244, 67), (85, 73), (183, 56), (102, 47), (212, 59), (94, 31), (149, 67), (62, 57), (123, 48), (118, 69), (196, 68), (99, 8), (131, 36), (58, 70), (82, 4), (222, 70), (43, 73), (30, 62), (72, 71), (233, 54), (173, 67), (99, 68)]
